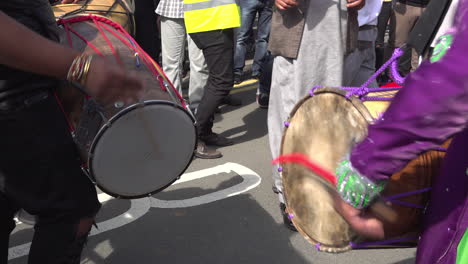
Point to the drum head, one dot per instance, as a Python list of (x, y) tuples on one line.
[(324, 127), (143, 149)]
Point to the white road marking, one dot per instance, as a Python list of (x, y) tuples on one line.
[(139, 207), (250, 181)]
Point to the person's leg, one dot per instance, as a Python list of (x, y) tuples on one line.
[(147, 32), (360, 65), (263, 34), (405, 19), (7, 224), (264, 84), (198, 74), (414, 54), (218, 47), (382, 24), (173, 46), (52, 185), (248, 12)]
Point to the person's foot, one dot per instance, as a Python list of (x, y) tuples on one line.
[(237, 78), (216, 140), (262, 100), (205, 152), (256, 75), (233, 101), (286, 218)]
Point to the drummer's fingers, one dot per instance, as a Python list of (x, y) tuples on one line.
[(367, 225), (133, 87), (360, 221)]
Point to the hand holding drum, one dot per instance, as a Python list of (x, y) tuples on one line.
[(368, 222), (111, 83), (105, 81)]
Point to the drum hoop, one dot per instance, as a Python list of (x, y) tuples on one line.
[(318, 245), (355, 101), (361, 108), (108, 124), (86, 12)]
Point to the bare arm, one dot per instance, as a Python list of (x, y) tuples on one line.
[(26, 50), (23, 49)]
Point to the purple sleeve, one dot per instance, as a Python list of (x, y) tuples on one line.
[(430, 108)]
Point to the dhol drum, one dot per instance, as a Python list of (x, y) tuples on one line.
[(131, 150), (324, 126), (119, 11)]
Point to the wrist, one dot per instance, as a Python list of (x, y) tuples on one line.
[(356, 189), (79, 69)]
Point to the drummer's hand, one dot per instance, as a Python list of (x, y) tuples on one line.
[(356, 4), (361, 221), (286, 4), (110, 83)]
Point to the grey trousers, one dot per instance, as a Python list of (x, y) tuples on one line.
[(319, 62), (360, 64), (173, 39)]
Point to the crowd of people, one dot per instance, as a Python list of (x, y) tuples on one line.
[(299, 44)]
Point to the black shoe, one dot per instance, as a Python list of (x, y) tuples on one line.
[(237, 78), (262, 100), (230, 100), (256, 75), (204, 152), (217, 140), (286, 220)]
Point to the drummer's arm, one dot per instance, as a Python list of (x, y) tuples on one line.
[(430, 108), (26, 50)]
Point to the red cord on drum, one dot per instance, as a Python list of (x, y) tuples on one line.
[(302, 159)]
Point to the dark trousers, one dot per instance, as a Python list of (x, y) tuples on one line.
[(40, 172), (218, 49), (383, 19), (147, 30), (267, 69)]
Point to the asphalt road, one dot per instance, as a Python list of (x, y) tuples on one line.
[(223, 211)]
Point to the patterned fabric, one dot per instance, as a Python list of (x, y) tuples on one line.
[(171, 8), (354, 188)]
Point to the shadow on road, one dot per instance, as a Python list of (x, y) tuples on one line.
[(233, 230), (406, 261)]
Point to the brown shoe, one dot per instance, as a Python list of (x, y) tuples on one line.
[(204, 152)]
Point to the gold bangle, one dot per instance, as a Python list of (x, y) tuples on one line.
[(79, 69), (85, 72)]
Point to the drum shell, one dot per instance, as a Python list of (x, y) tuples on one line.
[(325, 127), (93, 122), (73, 100), (119, 11)]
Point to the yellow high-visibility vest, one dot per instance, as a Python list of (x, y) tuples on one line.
[(207, 15)]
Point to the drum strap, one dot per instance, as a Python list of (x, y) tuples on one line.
[(363, 90), (393, 198)]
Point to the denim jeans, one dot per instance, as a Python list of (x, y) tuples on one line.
[(249, 9)]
